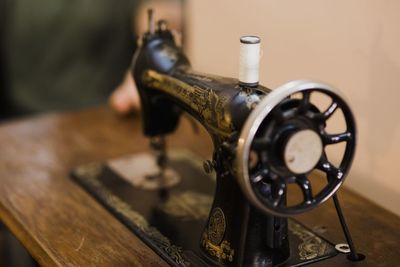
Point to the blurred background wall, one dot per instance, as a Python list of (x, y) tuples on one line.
[(352, 45)]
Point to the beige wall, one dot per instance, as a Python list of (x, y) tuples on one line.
[(353, 45)]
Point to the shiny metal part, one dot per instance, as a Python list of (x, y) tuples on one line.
[(158, 144), (343, 248), (150, 20)]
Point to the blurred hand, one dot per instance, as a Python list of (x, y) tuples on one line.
[(125, 97)]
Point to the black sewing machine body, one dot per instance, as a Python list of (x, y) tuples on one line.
[(167, 85), (237, 233), (165, 80), (256, 134)]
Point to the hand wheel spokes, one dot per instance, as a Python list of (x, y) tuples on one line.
[(260, 144), (332, 173), (329, 139), (290, 138), (325, 115), (273, 190), (305, 186), (305, 102), (279, 192), (259, 175)]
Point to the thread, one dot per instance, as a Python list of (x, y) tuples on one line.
[(249, 60)]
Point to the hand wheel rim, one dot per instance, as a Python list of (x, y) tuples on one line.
[(256, 118)]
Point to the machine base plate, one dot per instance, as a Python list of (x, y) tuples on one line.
[(169, 214)]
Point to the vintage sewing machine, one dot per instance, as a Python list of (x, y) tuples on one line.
[(265, 141)]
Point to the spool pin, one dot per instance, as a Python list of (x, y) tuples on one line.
[(249, 64)]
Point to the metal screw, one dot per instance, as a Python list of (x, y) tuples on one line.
[(208, 166)]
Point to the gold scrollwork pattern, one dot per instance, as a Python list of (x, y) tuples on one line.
[(216, 226), (212, 239), (204, 101), (90, 173), (311, 246), (188, 205), (223, 252)]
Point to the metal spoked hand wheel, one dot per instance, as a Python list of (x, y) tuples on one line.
[(284, 139)]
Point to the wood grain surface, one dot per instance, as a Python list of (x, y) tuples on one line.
[(61, 225)]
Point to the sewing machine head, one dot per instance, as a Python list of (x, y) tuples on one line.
[(264, 141)]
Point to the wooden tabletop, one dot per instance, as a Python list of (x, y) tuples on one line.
[(60, 224)]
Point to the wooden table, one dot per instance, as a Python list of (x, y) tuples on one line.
[(60, 224)]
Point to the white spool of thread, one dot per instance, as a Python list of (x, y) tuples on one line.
[(249, 64)]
